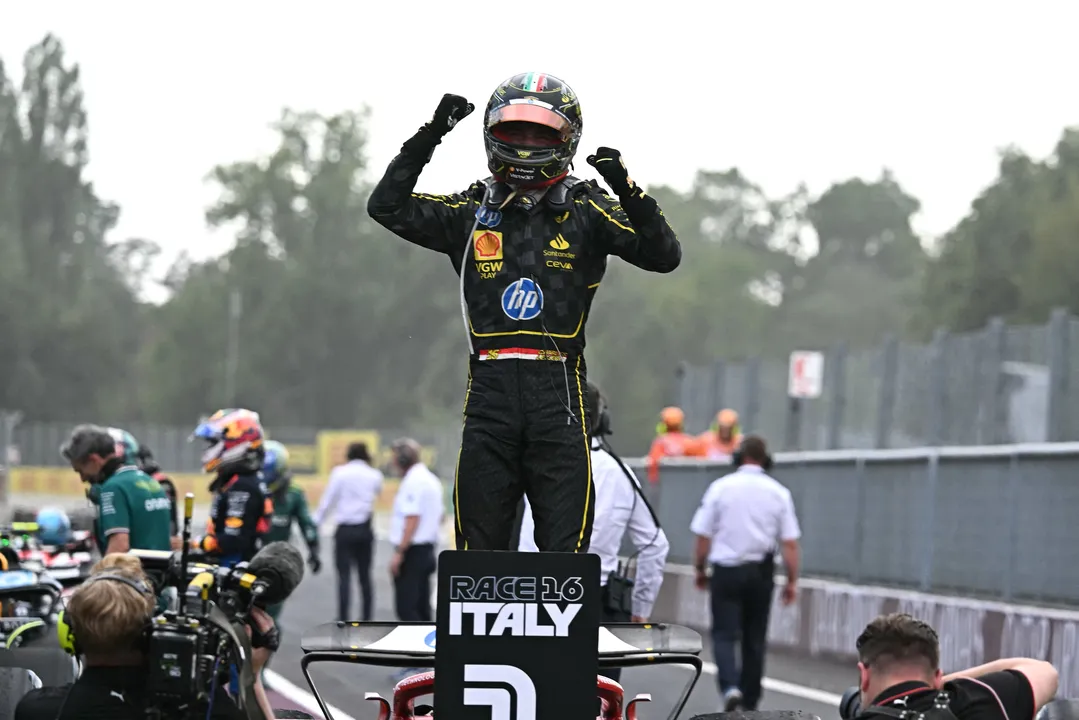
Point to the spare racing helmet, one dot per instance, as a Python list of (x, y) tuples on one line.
[(276, 471), (234, 442), (531, 129), (127, 447), (53, 526)]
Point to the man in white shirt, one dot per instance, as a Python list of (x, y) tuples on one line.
[(742, 517), (352, 493), (415, 528), (620, 506)]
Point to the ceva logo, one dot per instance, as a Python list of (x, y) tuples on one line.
[(522, 300)]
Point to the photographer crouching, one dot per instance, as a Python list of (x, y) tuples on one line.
[(106, 624), (900, 678)]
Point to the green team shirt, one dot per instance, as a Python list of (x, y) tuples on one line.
[(288, 507), (132, 502)]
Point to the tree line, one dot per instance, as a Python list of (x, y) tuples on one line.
[(344, 325)]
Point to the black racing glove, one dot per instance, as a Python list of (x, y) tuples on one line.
[(451, 110), (608, 163), (640, 208), (315, 562)]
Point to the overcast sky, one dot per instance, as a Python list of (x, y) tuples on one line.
[(803, 90)]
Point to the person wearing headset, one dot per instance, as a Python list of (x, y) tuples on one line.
[(620, 506), (133, 511), (105, 624), (415, 526), (741, 519)]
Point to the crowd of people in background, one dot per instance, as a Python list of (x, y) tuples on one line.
[(718, 443), (745, 519)]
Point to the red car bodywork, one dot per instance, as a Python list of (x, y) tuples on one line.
[(406, 692)]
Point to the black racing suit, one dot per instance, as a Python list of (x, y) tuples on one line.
[(525, 427), (241, 512)]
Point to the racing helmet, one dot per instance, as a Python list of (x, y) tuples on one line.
[(531, 129), (146, 461), (127, 447), (53, 526), (234, 441), (276, 471)]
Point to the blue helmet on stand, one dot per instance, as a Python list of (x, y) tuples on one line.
[(53, 526)]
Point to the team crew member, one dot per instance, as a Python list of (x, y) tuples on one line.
[(741, 518), (105, 623), (146, 462), (289, 506), (414, 532), (240, 508), (620, 505), (721, 440), (899, 671), (530, 244), (132, 508), (351, 494), (671, 441)]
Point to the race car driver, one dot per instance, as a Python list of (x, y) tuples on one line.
[(289, 506), (530, 244), (240, 507)]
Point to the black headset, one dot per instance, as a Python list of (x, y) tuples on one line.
[(65, 630), (738, 459), (597, 408), (404, 454)]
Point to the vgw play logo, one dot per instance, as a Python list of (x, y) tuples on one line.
[(522, 300)]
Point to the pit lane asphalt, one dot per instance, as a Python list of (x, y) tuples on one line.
[(343, 685)]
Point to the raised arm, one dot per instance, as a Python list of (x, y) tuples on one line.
[(436, 222), (633, 228)]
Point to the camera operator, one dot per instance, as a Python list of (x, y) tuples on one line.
[(109, 617), (899, 669)]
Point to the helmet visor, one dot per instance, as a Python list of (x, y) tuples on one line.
[(530, 112)]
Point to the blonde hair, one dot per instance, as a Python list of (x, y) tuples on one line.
[(109, 616)]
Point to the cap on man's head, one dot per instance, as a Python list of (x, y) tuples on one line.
[(87, 440)]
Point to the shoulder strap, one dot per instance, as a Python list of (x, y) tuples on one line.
[(941, 710), (499, 191), (561, 194)]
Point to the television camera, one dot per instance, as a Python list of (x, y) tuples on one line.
[(199, 641)]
